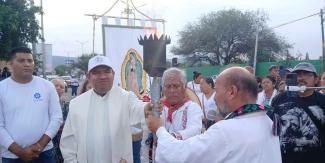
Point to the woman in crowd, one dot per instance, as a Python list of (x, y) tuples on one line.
[(195, 84), (207, 101), (85, 87), (265, 97), (259, 84), (59, 85)]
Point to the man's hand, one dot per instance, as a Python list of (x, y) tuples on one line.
[(28, 154), (154, 123), (148, 108), (36, 148), (160, 107)]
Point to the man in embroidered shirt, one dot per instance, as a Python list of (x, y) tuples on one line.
[(30, 112), (244, 136), (182, 117)]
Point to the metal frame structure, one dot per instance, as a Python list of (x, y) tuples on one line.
[(129, 10)]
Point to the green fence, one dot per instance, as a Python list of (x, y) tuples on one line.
[(261, 70)]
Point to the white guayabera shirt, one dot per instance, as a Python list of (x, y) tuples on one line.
[(246, 139)]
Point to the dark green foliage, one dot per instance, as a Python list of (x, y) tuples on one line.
[(228, 36), (18, 25)]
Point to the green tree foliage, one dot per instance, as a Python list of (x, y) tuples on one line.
[(307, 56), (228, 36), (82, 62), (18, 25), (62, 70), (38, 63)]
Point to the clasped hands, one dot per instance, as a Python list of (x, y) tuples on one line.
[(31, 152), (153, 122)]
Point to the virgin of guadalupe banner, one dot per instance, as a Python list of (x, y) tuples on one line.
[(133, 77), (122, 48)]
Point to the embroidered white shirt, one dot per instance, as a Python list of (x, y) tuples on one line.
[(186, 120)]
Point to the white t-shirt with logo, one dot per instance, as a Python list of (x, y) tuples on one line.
[(27, 111)]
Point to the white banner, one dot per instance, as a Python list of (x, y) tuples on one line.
[(122, 48)]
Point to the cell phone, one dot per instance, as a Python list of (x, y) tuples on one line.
[(291, 79)]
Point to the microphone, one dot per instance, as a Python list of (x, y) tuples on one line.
[(295, 88), (300, 88)]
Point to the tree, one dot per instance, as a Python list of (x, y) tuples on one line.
[(37, 62), (228, 36), (61, 70), (18, 25), (298, 56), (82, 62), (307, 57)]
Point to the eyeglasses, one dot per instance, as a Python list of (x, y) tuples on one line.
[(173, 86)]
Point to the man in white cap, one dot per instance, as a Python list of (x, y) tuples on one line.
[(302, 117), (97, 128)]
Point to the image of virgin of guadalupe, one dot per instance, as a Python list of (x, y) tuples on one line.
[(132, 73)]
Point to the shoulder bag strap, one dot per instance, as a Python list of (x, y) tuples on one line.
[(204, 114)]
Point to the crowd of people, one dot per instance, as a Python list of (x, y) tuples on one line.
[(5, 73), (298, 117), (236, 118)]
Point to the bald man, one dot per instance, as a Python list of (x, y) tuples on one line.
[(245, 134)]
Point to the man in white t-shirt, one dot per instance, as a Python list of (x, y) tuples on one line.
[(30, 113)]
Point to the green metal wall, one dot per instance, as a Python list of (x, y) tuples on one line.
[(262, 68)]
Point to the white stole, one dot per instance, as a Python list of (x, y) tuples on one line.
[(98, 139)]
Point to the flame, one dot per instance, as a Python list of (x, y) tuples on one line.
[(152, 30)]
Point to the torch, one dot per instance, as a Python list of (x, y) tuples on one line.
[(154, 63)]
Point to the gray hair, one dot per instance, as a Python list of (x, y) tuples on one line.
[(61, 81), (174, 72)]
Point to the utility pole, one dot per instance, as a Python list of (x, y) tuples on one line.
[(127, 9), (33, 43), (290, 22), (323, 43), (95, 17), (255, 51), (43, 42), (82, 43)]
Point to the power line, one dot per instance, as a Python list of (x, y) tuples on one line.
[(290, 22), (293, 21)]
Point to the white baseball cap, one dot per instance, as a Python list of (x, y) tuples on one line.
[(98, 60)]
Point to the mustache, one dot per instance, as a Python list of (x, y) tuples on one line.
[(302, 82)]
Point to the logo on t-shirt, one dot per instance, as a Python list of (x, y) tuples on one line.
[(37, 97)]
